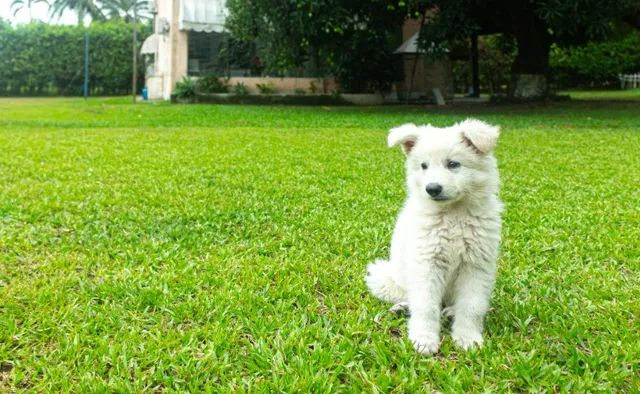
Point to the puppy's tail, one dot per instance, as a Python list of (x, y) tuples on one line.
[(381, 284)]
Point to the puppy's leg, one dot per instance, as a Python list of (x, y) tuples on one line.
[(425, 292), (472, 293)]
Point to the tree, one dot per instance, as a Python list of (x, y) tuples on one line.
[(81, 7), (125, 9), (19, 5), (535, 25), (353, 40)]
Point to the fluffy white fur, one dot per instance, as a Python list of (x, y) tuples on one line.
[(444, 248)]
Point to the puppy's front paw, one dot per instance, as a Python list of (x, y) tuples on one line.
[(424, 342), (467, 339), (401, 308)]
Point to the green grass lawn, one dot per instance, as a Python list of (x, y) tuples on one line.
[(628, 94), (222, 248)]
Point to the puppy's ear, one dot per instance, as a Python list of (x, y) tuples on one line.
[(480, 136), (405, 135)]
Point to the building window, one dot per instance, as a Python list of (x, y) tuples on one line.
[(204, 53), (219, 54)]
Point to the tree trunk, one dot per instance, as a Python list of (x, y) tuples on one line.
[(80, 16), (475, 68), (530, 69)]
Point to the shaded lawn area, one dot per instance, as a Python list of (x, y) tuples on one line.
[(222, 248)]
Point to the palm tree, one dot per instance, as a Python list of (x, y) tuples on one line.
[(19, 5), (125, 9), (130, 11), (81, 7)]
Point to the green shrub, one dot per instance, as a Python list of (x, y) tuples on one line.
[(185, 89), (367, 63), (266, 88), (313, 87), (212, 84), (41, 59), (240, 89), (596, 63), (300, 92), (496, 55)]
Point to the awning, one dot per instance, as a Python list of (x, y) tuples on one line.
[(150, 45), (203, 15)]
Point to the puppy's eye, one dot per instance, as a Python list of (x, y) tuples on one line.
[(451, 164), (424, 166)]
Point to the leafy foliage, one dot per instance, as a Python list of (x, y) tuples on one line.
[(212, 84), (496, 54), (80, 7), (239, 54), (101, 10), (186, 88), (352, 40), (366, 62), (240, 89), (535, 25), (597, 63), (40, 59), (567, 21), (578, 21), (266, 88), (125, 9)]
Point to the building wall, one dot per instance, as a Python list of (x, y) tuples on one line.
[(170, 62), (179, 50), (286, 85)]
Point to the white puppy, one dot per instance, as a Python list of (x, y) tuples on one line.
[(445, 244)]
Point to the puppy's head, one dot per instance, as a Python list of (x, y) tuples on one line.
[(449, 164)]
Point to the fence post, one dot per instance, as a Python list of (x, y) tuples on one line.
[(85, 87)]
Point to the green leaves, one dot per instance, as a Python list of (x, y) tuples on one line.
[(41, 59), (353, 41), (81, 7), (577, 21), (597, 62), (186, 88), (125, 9)]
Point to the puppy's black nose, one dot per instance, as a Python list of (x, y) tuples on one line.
[(434, 189)]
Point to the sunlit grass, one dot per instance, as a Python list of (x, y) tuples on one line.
[(221, 248), (627, 94)]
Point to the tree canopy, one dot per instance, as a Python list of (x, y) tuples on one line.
[(351, 39), (354, 40), (98, 10), (535, 24)]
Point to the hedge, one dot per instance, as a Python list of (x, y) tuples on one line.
[(596, 63), (39, 59)]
